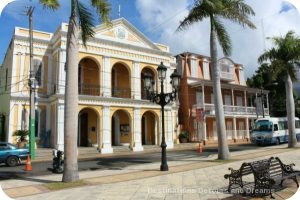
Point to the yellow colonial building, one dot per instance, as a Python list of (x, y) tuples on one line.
[(113, 109)]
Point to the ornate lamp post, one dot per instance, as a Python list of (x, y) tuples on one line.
[(162, 99)]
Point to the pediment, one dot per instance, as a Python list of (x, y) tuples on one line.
[(124, 32)]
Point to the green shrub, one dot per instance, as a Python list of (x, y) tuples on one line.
[(184, 134), (21, 134)]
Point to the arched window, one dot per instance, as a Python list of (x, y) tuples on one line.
[(38, 69)]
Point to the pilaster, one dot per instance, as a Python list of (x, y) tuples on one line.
[(62, 72), (136, 80), (60, 127), (170, 141), (106, 132), (137, 130), (106, 77)]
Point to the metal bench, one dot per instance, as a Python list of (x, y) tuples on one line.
[(266, 173), (277, 172), (236, 176)]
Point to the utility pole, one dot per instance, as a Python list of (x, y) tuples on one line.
[(31, 84)]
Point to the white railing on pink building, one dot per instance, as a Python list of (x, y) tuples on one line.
[(229, 110)]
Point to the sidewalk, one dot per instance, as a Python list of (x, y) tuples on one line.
[(195, 178)]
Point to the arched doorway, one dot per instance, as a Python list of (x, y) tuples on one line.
[(87, 127), (120, 128), (149, 128), (88, 77), (149, 71), (120, 81)]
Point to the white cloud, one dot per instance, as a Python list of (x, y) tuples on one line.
[(163, 17)]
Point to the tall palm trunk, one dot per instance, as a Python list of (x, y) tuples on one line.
[(223, 151), (290, 109), (71, 101)]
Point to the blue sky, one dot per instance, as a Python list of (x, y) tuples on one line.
[(158, 20)]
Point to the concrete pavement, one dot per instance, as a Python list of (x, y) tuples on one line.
[(193, 178)]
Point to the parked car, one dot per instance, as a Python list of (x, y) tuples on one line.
[(11, 154)]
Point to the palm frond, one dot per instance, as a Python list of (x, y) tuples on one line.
[(200, 11), (222, 35), (237, 11), (51, 4), (85, 21), (103, 10), (268, 56)]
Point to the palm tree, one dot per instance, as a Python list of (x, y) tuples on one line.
[(81, 21), (80, 24), (284, 58), (235, 11)]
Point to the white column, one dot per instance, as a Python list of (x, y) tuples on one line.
[(60, 127), (48, 117), (234, 129), (203, 98), (50, 84), (14, 73), (106, 77), (11, 122), (19, 123), (170, 141), (137, 145), (204, 130), (232, 97), (106, 132), (168, 86), (136, 80), (206, 74), (247, 129), (22, 67), (62, 72)]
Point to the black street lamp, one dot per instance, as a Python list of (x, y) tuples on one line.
[(162, 99)]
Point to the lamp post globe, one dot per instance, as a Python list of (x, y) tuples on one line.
[(162, 71)]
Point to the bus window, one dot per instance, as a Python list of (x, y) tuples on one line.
[(275, 127), (281, 125), (297, 123), (263, 125)]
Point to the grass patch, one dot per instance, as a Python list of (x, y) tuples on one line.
[(62, 185)]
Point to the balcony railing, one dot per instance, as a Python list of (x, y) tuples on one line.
[(227, 75), (121, 92), (229, 110), (93, 90)]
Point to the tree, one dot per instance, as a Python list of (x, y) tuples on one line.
[(235, 11), (284, 58), (263, 79), (80, 23)]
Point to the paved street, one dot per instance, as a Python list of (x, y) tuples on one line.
[(114, 162), (190, 178)]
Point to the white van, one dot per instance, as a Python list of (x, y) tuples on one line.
[(273, 130)]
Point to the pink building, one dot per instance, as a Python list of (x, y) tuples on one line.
[(242, 105)]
